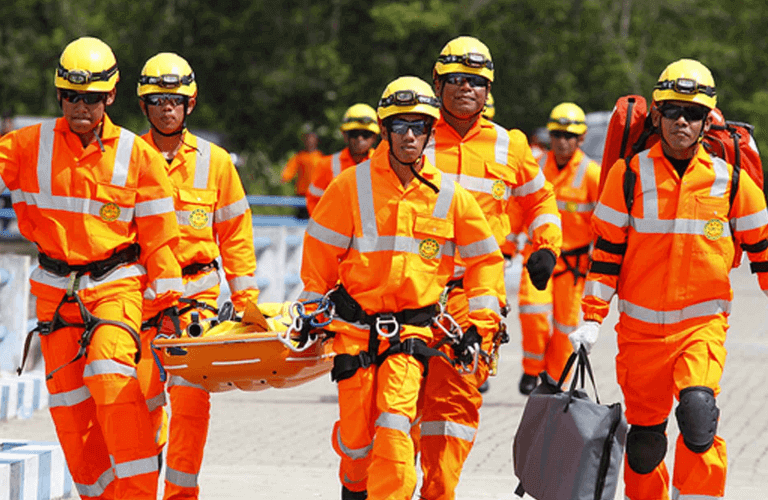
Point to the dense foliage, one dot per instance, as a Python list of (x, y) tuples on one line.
[(268, 69)]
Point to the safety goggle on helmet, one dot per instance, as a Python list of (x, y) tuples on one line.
[(167, 73), (686, 80), (360, 117), (87, 65), (464, 54), (408, 94)]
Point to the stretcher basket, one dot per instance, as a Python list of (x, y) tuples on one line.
[(251, 354)]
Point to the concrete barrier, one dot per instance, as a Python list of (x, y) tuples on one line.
[(33, 470)]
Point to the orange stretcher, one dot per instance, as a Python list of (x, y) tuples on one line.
[(252, 354)]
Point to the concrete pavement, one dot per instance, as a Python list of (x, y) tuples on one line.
[(276, 443)]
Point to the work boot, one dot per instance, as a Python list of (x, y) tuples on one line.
[(484, 388), (527, 384), (353, 495)]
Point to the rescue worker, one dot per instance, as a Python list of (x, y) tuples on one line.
[(668, 260), (575, 178), (214, 221), (96, 201), (386, 232), (300, 166), (360, 129), (494, 164)]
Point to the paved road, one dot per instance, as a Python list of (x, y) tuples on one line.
[(276, 443)]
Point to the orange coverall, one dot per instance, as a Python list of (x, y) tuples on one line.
[(301, 164), (544, 347), (328, 168), (214, 220), (393, 248), (494, 165), (674, 296), (79, 205)]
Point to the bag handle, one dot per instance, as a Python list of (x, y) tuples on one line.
[(579, 361)]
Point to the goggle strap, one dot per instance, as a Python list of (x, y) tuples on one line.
[(453, 59), (87, 76), (158, 80), (565, 121), (672, 85)]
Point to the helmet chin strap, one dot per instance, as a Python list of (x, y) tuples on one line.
[(175, 132)]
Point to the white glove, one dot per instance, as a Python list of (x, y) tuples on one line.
[(585, 335)]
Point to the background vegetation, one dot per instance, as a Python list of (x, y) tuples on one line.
[(269, 69)]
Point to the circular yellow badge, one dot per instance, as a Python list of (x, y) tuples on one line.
[(109, 212), (428, 248), (498, 190), (713, 229), (198, 219), (571, 206)]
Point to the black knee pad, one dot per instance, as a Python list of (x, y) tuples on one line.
[(646, 447), (353, 495), (697, 416)]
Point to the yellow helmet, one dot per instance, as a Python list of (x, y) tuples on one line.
[(686, 80), (360, 117), (408, 94), (489, 111), (464, 54), (167, 73), (87, 65), (567, 117)]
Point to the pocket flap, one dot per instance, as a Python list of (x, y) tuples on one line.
[(197, 196), (432, 226), (122, 196)]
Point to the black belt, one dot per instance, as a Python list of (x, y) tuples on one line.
[(348, 309), (97, 268), (198, 267)]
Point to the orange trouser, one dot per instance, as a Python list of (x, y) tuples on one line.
[(547, 348), (187, 430), (449, 414), (96, 403), (377, 408), (653, 365)]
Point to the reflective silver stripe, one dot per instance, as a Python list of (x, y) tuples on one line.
[(563, 328), (543, 219), (484, 302), (123, 157), (203, 164), (69, 204), (676, 226), (328, 236), (353, 453), (581, 171), (563, 206), (315, 191), (543, 161), (97, 489), (163, 285), (611, 216), (478, 248), (236, 209), (136, 467), (533, 356), (365, 200), (40, 275), (69, 398), (175, 380), (597, 289), (394, 421), (535, 308), (243, 283), (156, 402), (445, 428), (444, 197), (181, 479), (501, 149), (405, 244), (529, 187), (45, 157), (480, 184), (201, 283), (429, 150), (305, 295), (702, 309), (752, 221), (336, 164), (108, 367), (675, 495), (183, 216), (648, 186), (722, 177), (157, 206)]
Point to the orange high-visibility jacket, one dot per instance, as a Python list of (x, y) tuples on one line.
[(328, 168), (679, 240), (393, 248), (496, 166), (213, 215), (80, 204), (301, 164)]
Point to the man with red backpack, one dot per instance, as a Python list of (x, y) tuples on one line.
[(665, 246)]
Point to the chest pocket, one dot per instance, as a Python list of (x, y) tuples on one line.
[(194, 209), (114, 203), (430, 235)]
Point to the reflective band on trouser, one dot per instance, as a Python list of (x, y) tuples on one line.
[(97, 488), (447, 428), (136, 467), (182, 479), (700, 310), (70, 398), (676, 495)]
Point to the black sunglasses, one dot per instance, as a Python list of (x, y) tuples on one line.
[(473, 80), (401, 127), (163, 99), (690, 113), (562, 134), (354, 134), (87, 97)]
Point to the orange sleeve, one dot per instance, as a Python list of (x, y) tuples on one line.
[(749, 220), (290, 169), (320, 179)]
